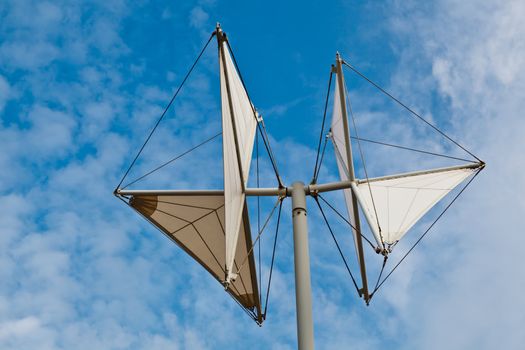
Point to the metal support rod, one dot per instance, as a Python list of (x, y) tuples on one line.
[(351, 176), (285, 192), (169, 192), (258, 191), (341, 185), (303, 292), (424, 172)]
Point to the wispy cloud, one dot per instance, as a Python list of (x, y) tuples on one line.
[(474, 53)]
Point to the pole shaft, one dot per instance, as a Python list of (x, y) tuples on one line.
[(303, 292), (351, 175)]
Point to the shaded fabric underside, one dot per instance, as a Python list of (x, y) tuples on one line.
[(197, 225)]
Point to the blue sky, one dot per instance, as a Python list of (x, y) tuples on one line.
[(81, 83)]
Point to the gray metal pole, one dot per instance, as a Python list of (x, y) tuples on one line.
[(350, 163), (303, 292)]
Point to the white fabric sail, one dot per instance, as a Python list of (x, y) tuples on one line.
[(401, 200), (338, 139), (239, 126), (214, 228)]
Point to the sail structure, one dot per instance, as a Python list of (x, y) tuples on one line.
[(397, 202), (212, 226), (239, 124), (197, 223), (393, 204)]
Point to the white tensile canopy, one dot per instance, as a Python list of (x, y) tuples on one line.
[(400, 201), (391, 204)]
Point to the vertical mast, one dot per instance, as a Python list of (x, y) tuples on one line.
[(303, 289), (351, 174)]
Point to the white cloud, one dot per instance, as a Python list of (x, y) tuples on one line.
[(28, 55), (198, 17), (281, 109), (51, 133), (97, 117), (104, 35), (19, 328), (170, 76), (469, 300), (5, 90), (166, 14)]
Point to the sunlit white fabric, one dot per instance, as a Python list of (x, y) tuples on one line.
[(401, 201), (239, 126)]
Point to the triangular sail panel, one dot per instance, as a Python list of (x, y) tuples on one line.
[(401, 200), (212, 226), (338, 139), (197, 224), (239, 126)]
